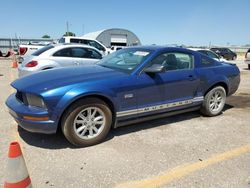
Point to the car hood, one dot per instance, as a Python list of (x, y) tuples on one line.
[(61, 77)]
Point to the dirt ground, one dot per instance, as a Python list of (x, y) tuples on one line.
[(187, 150)]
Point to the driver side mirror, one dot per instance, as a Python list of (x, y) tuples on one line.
[(155, 68)]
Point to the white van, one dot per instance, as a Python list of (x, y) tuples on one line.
[(91, 42)]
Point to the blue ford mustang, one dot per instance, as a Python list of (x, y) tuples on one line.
[(130, 85)]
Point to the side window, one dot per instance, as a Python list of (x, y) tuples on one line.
[(212, 55), (93, 54), (85, 53), (79, 52), (63, 53), (94, 44), (76, 41), (206, 62), (174, 61)]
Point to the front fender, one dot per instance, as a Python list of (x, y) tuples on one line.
[(79, 92)]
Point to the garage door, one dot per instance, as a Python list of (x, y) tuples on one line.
[(119, 39)]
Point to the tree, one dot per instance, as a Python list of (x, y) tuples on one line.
[(45, 36), (69, 34)]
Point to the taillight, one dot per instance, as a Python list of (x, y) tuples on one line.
[(31, 64), (22, 50)]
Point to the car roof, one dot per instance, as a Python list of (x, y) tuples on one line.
[(197, 49), (74, 37), (163, 48), (66, 45)]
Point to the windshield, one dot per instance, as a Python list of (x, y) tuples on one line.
[(125, 60), (61, 40)]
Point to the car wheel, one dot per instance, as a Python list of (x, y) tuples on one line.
[(87, 122), (249, 66), (234, 57), (214, 101)]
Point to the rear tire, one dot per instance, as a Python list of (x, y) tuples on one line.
[(87, 122), (214, 101), (249, 66)]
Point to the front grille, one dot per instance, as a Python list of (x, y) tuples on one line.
[(19, 96)]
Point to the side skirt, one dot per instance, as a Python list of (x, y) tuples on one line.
[(155, 116)]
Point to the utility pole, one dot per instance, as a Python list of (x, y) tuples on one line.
[(67, 25)]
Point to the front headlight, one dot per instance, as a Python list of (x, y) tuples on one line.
[(34, 100)]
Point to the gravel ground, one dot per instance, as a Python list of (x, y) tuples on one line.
[(137, 152)]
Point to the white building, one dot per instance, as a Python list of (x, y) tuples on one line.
[(114, 37)]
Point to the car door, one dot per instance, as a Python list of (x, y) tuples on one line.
[(173, 88)]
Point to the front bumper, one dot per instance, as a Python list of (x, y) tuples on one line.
[(18, 110)]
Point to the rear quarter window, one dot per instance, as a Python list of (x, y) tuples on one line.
[(205, 61), (42, 50)]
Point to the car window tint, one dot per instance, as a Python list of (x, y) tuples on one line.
[(93, 54), (79, 52), (206, 62), (63, 53), (174, 61), (94, 44), (77, 41), (42, 50), (212, 55)]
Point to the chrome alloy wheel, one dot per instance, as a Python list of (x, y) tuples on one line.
[(216, 101), (89, 123)]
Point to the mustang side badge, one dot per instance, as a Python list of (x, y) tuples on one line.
[(128, 96)]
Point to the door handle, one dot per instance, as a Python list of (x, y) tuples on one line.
[(191, 77)]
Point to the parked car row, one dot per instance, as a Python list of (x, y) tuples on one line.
[(28, 49), (58, 55), (130, 85)]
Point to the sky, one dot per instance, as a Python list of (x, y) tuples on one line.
[(188, 22)]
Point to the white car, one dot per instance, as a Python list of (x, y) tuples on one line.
[(247, 58), (91, 42), (28, 49), (59, 55), (209, 53)]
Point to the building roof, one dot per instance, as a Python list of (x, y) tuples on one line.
[(93, 35)]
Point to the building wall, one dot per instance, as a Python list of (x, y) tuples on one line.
[(105, 37)]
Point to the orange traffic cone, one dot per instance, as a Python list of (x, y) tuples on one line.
[(14, 61), (16, 174)]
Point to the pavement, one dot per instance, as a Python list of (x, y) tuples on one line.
[(187, 150)]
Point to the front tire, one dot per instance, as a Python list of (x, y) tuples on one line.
[(214, 101), (87, 122)]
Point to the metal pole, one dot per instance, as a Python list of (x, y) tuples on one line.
[(67, 25)]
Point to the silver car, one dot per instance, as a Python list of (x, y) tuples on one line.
[(60, 55), (247, 58)]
